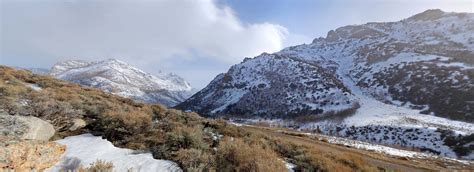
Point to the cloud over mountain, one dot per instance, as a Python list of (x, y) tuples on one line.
[(147, 30)]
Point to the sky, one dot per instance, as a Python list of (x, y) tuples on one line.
[(196, 39)]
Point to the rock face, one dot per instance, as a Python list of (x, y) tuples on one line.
[(363, 80), (122, 79), (30, 155)]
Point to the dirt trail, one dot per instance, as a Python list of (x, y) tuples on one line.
[(374, 158)]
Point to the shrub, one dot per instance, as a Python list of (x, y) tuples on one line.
[(195, 159), (98, 166), (185, 137), (228, 130), (121, 126), (235, 155)]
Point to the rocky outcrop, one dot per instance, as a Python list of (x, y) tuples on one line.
[(24, 144), (30, 155)]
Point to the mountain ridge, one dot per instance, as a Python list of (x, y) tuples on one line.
[(120, 78), (313, 55)]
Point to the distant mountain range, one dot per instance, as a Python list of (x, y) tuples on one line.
[(122, 79), (404, 79)]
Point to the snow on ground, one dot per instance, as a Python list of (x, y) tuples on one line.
[(35, 87), (231, 97), (376, 112), (290, 166), (85, 149)]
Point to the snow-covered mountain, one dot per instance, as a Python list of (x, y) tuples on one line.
[(414, 76), (122, 79)]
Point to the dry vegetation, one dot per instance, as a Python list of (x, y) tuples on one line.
[(196, 143), (98, 166), (308, 158)]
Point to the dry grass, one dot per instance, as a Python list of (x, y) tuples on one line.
[(309, 157)]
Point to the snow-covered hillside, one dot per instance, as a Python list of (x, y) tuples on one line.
[(122, 79), (413, 76)]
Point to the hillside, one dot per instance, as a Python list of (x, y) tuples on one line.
[(411, 76), (193, 142)]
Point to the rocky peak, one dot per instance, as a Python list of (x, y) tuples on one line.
[(431, 14), (332, 36)]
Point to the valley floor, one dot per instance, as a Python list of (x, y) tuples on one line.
[(381, 160)]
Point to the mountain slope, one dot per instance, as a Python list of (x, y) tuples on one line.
[(261, 86), (119, 78), (383, 74)]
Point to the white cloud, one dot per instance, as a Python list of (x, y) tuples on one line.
[(144, 30)]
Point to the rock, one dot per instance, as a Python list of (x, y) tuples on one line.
[(77, 124), (30, 155), (24, 146), (38, 129), (16, 127)]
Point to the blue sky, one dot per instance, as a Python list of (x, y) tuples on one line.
[(314, 18), (194, 39)]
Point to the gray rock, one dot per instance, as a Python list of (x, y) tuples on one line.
[(16, 127)]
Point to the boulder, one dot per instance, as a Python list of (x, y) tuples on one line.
[(38, 129), (16, 127)]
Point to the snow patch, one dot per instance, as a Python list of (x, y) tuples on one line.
[(35, 87), (85, 149)]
